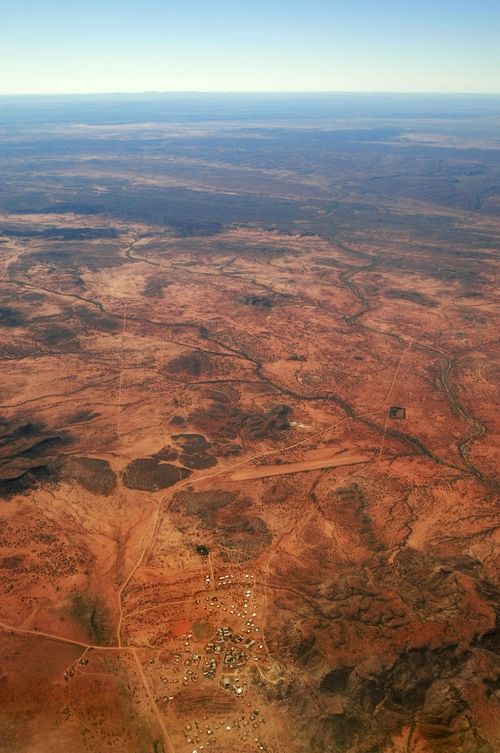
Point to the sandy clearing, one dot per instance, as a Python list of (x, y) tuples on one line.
[(304, 465)]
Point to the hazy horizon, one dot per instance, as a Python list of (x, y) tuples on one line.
[(275, 46), (263, 92)]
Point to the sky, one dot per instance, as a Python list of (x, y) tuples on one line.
[(77, 46)]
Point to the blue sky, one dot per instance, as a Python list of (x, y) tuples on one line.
[(62, 46)]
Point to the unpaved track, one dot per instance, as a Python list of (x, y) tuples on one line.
[(154, 706)]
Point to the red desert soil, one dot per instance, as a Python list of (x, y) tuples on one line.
[(187, 561), (352, 590)]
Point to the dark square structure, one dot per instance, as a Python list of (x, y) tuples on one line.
[(395, 411)]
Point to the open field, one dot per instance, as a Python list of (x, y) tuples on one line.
[(197, 307)]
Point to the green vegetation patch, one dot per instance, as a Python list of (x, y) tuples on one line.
[(92, 616), (203, 631)]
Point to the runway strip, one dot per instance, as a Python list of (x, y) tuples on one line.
[(264, 471)]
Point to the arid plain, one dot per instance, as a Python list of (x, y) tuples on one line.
[(248, 436)]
